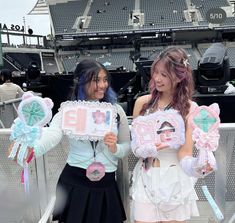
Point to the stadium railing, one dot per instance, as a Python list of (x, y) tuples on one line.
[(8, 112), (44, 172)]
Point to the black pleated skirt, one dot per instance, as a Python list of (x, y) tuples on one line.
[(79, 200)]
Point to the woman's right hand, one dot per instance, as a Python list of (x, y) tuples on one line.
[(10, 149), (30, 153), (204, 170)]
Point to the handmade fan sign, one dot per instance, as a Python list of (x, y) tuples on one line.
[(34, 112), (165, 128), (87, 120), (205, 122)]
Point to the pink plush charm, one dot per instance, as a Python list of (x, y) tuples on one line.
[(205, 122)]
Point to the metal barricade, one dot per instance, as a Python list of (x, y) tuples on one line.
[(8, 112), (15, 205), (44, 173), (221, 183)]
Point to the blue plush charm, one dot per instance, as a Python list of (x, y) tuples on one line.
[(34, 112), (23, 135)]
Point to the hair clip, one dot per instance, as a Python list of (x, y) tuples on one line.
[(185, 62)]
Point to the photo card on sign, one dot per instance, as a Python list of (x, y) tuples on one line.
[(86, 120)]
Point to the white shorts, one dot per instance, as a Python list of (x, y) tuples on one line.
[(163, 193)]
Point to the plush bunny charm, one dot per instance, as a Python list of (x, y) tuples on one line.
[(34, 112)]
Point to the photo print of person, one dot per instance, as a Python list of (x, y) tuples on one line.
[(166, 132), (101, 120)]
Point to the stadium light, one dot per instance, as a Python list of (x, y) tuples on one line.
[(213, 70)]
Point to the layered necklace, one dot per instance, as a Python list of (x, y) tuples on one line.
[(160, 108)]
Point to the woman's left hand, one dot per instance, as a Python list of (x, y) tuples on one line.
[(110, 140), (205, 169)]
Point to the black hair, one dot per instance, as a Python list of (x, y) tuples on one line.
[(165, 124), (84, 73), (7, 75)]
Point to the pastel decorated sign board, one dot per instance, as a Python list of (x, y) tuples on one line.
[(87, 120), (161, 127)]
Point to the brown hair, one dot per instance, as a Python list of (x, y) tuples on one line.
[(176, 64)]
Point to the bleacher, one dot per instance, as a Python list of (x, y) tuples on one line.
[(108, 16), (204, 6), (111, 16), (69, 62), (64, 15), (121, 57), (164, 14)]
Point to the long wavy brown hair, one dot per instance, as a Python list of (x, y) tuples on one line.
[(176, 64)]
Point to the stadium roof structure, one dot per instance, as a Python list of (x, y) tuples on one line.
[(40, 8)]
